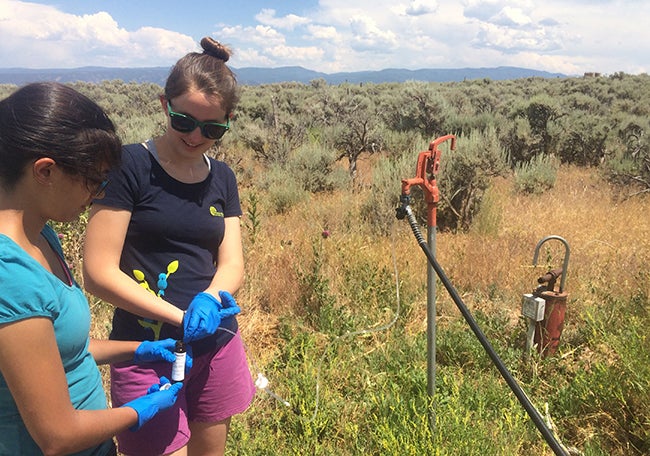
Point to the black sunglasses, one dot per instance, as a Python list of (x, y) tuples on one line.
[(185, 124)]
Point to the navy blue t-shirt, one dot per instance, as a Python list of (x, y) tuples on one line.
[(172, 242)]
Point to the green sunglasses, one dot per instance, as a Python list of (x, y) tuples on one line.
[(98, 186), (185, 124)]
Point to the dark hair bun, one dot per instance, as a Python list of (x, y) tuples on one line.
[(215, 49)]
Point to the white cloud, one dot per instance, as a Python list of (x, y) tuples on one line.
[(510, 16), (261, 35), (340, 35), (421, 7), (511, 40), (49, 38), (553, 64), (367, 35), (167, 46), (250, 57), (288, 22), (321, 32), (481, 9), (263, 45), (289, 54)]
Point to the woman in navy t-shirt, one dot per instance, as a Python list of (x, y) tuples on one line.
[(164, 246)]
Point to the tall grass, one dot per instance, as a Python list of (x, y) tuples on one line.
[(367, 393), (334, 315)]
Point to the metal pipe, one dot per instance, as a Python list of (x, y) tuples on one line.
[(566, 256), (534, 414), (431, 325), (427, 168)]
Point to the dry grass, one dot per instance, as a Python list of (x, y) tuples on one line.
[(608, 248), (490, 266)]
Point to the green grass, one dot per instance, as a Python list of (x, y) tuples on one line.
[(351, 358), (373, 400), (357, 385), (322, 319)]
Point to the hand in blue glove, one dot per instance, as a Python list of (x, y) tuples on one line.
[(229, 304), (157, 350), (160, 350), (156, 399), (164, 384), (204, 314)]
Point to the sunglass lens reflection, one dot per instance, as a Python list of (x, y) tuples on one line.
[(213, 131), (183, 124)]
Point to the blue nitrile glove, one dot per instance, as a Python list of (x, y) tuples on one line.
[(204, 314), (164, 384), (154, 401), (155, 350), (160, 350)]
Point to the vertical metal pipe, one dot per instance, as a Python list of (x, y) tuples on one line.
[(425, 177), (431, 327)]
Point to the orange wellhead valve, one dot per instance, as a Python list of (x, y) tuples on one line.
[(425, 176)]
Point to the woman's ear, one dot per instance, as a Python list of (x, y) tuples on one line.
[(42, 170), (163, 102)]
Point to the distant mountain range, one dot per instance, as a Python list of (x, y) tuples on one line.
[(257, 76)]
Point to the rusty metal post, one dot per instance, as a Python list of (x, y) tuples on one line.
[(549, 330)]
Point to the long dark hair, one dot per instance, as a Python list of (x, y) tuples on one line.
[(205, 72), (48, 119)]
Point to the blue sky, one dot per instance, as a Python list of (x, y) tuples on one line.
[(567, 36)]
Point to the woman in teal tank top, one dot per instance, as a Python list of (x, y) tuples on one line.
[(56, 146)]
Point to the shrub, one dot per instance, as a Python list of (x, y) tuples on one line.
[(629, 164), (536, 176), (314, 168), (282, 192), (489, 217), (378, 210), (465, 175)]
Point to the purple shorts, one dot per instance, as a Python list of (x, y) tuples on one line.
[(218, 386)]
